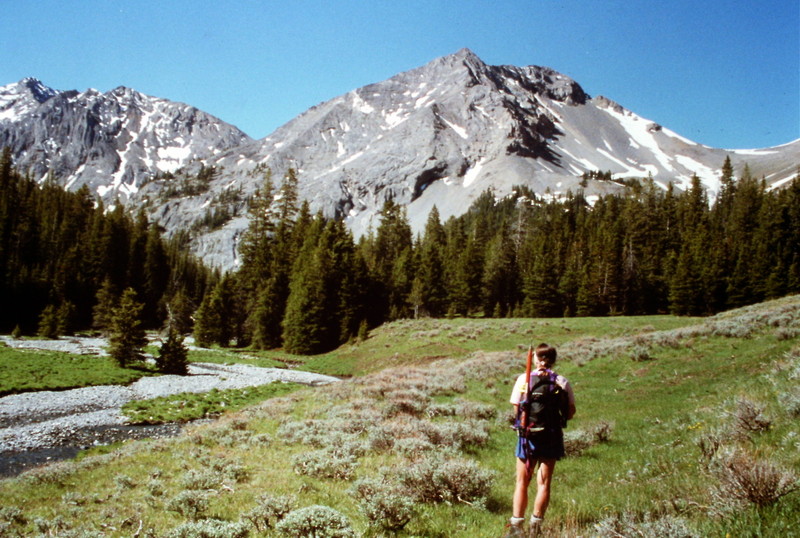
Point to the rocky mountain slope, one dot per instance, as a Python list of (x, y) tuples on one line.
[(112, 142), (439, 135)]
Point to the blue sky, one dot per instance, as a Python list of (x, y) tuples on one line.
[(725, 73)]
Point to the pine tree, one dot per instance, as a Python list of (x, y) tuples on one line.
[(179, 313), (156, 277), (265, 319), (127, 338), (255, 245), (272, 292), (106, 301), (65, 318), (48, 322), (500, 278), (430, 270), (305, 326), (219, 319), (390, 262), (136, 254), (173, 355), (208, 321)]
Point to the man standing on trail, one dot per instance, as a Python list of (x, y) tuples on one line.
[(543, 401)]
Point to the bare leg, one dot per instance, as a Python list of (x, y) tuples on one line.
[(543, 480), (521, 489)]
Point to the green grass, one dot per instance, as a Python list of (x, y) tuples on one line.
[(188, 406), (414, 342), (650, 468), (24, 370), (261, 359)]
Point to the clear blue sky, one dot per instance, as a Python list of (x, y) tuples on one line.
[(725, 73)]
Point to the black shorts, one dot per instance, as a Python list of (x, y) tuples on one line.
[(544, 445)]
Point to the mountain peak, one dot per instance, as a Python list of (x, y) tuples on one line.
[(462, 58), (22, 97), (39, 91), (466, 55)]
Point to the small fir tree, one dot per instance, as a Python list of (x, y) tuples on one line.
[(127, 338), (173, 355), (64, 318), (103, 308), (48, 322), (179, 313)]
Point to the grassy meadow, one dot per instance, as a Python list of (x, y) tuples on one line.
[(685, 427), (24, 370)]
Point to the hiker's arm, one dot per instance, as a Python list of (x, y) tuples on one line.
[(571, 411)]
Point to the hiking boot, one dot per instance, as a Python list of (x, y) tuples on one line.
[(535, 528), (514, 530)]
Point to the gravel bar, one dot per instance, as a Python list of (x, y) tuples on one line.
[(46, 419)]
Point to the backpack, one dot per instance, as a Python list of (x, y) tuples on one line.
[(546, 403)]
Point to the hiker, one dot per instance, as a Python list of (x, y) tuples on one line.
[(542, 444)]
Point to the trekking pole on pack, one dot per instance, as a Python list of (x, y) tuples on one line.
[(524, 404)]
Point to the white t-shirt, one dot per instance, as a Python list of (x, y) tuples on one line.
[(521, 386)]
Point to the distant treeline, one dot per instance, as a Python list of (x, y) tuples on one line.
[(64, 256), (307, 286)]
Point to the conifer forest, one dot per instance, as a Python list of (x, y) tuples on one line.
[(306, 285)]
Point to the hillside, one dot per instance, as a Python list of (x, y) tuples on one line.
[(668, 409)]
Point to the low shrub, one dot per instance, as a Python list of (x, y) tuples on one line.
[(406, 406), (641, 354), (313, 432), (51, 527), (576, 441), (790, 401), (211, 528), (325, 463), (625, 525), (384, 505), (156, 487), (786, 333), (456, 435), (739, 328), (413, 447), (462, 408), (191, 504), (710, 444), (12, 515), (270, 510), (601, 432), (203, 479), (230, 470), (439, 478), (124, 482), (260, 439), (317, 521), (73, 498), (748, 478), (381, 439), (56, 474), (749, 417)]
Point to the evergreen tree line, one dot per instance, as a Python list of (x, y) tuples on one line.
[(65, 261), (306, 285)]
